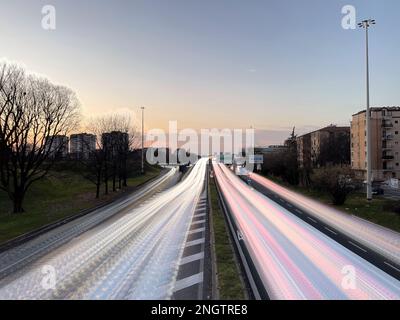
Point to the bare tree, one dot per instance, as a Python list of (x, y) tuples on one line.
[(116, 138), (33, 114)]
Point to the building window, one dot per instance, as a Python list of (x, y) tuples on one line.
[(396, 122), (396, 132)]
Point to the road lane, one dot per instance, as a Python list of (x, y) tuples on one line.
[(292, 258), (134, 257), (13, 259), (375, 243)]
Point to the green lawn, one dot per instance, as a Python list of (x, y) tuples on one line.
[(230, 284), (379, 211), (58, 195)]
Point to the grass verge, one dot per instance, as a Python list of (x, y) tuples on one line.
[(59, 195), (230, 284)]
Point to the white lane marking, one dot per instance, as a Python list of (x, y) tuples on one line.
[(188, 282), (198, 222), (199, 215), (315, 221), (289, 205), (353, 244), (194, 257), (197, 230), (299, 211), (392, 266), (195, 242), (331, 231)]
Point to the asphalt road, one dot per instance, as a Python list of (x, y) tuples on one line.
[(17, 257), (358, 239), (292, 258), (128, 250)]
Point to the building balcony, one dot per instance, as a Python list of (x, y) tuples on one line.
[(387, 146), (387, 137), (387, 157), (388, 169), (387, 124)]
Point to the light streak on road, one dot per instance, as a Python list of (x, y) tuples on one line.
[(134, 257), (293, 259), (379, 239), (27, 252)]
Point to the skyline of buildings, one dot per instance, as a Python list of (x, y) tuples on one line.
[(82, 144)]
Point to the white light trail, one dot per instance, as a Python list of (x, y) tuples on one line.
[(293, 259), (378, 238), (134, 257)]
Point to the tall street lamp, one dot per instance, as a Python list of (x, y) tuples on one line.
[(142, 139), (366, 24)]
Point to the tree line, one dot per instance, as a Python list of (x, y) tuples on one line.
[(116, 142), (33, 113)]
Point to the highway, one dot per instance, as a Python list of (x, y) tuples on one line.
[(292, 259), (375, 243), (13, 259), (133, 256)]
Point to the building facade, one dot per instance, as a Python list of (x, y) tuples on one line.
[(313, 149), (57, 146), (304, 150), (385, 143), (82, 145)]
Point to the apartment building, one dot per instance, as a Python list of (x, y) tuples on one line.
[(315, 148), (304, 150), (81, 145), (385, 143), (57, 146)]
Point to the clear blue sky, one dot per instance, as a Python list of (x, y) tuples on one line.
[(270, 64)]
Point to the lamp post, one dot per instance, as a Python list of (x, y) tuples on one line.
[(142, 108), (366, 24)]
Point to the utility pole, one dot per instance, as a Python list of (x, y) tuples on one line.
[(366, 24), (142, 139)]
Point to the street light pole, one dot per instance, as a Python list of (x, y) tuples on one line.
[(366, 24), (142, 139)]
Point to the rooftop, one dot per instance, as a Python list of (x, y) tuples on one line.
[(377, 109), (331, 128)]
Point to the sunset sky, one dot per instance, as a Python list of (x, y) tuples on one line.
[(223, 63)]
